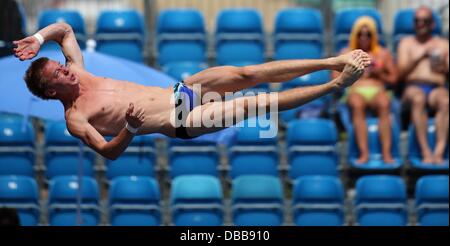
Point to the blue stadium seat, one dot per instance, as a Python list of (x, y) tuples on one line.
[(375, 157), (134, 201), (318, 201), (193, 157), (121, 33), (432, 200), (414, 152), (139, 159), (63, 202), (71, 17), (196, 200), (239, 37), (404, 25), (183, 70), (343, 24), (312, 109), (62, 153), (381, 201), (257, 200), (250, 153), (316, 78), (181, 39), (298, 34), (21, 193), (311, 147), (17, 150)]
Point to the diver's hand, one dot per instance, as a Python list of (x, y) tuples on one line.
[(27, 48), (135, 118)]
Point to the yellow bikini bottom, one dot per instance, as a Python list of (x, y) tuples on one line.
[(367, 92)]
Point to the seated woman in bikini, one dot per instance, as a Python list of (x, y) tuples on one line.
[(369, 92)]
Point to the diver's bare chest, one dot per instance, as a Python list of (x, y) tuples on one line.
[(98, 107)]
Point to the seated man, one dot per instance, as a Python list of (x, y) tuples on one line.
[(423, 65), (96, 106), (369, 91)]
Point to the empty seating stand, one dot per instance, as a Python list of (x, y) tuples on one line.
[(65, 154), (311, 148), (196, 200), (381, 201), (193, 157), (71, 17), (257, 200), (432, 200), (121, 33), (239, 37), (181, 42), (73, 203), (139, 159), (250, 153), (21, 193), (134, 201), (17, 146), (298, 34), (318, 201)]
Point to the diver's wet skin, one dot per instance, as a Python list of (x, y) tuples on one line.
[(96, 106)]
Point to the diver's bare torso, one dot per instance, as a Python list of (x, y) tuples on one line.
[(103, 103)]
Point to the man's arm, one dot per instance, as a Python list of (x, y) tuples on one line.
[(61, 33), (79, 127)]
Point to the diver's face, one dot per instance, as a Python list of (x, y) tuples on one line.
[(365, 38), (58, 74), (60, 78)]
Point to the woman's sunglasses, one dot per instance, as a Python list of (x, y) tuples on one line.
[(365, 34)]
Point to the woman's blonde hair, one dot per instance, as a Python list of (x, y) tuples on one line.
[(369, 22)]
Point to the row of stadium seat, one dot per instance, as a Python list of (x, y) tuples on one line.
[(256, 200), (119, 33), (181, 38), (311, 150)]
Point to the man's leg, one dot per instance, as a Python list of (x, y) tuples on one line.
[(228, 113), (416, 97), (382, 104), (232, 79), (358, 108), (439, 101)]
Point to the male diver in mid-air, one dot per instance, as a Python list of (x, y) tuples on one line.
[(96, 106)]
